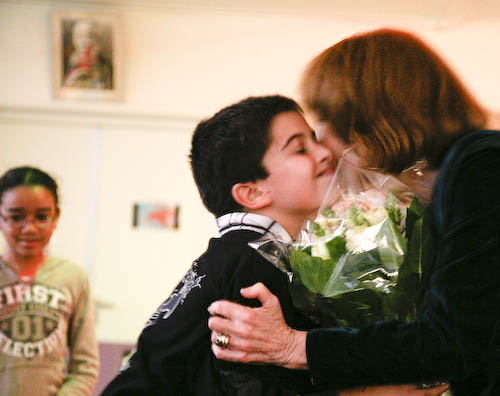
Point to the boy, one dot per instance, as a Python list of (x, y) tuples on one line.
[(260, 171)]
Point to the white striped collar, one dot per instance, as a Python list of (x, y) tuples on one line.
[(253, 222)]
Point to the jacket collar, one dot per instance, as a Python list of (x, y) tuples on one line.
[(252, 222)]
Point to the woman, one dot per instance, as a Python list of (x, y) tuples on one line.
[(47, 337), (393, 97)]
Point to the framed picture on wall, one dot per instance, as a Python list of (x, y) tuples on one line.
[(154, 215), (87, 55)]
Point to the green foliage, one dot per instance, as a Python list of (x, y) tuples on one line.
[(336, 248), (356, 289), (393, 209), (356, 216), (317, 230), (327, 212)]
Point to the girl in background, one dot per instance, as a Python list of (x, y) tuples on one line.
[(47, 335)]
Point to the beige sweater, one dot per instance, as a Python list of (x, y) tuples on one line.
[(47, 334)]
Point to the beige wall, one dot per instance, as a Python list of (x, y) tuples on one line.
[(181, 64)]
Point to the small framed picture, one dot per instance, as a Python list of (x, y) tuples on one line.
[(154, 215), (87, 55)]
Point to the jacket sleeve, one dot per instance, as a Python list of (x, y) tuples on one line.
[(460, 314), (83, 364), (174, 354), (254, 268)]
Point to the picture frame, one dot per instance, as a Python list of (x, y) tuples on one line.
[(87, 55), (155, 215)]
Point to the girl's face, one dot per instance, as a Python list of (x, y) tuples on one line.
[(28, 216)]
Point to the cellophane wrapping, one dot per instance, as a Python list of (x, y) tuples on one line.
[(367, 254)]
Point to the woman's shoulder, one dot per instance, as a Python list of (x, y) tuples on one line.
[(469, 176), (471, 149), (473, 143)]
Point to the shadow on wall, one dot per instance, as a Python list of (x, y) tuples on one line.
[(111, 357)]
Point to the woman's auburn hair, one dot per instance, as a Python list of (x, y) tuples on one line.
[(392, 94)]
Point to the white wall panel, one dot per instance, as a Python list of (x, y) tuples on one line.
[(139, 267)]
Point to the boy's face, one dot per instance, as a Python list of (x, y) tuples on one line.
[(300, 169)]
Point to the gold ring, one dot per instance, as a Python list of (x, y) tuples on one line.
[(222, 340)]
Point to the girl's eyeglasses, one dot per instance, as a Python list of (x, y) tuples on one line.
[(18, 221)]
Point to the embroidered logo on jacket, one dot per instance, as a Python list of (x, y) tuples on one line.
[(30, 319), (190, 281)]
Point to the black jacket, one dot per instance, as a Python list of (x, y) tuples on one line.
[(174, 354)]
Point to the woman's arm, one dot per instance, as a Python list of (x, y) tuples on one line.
[(261, 335), (338, 356)]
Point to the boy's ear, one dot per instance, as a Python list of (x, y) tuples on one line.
[(250, 195)]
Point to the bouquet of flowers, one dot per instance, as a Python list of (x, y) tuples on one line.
[(366, 254)]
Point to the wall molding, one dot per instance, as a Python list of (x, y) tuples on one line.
[(100, 119), (97, 119)]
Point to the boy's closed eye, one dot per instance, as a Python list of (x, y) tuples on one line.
[(301, 149)]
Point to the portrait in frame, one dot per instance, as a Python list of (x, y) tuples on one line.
[(87, 55), (155, 215)]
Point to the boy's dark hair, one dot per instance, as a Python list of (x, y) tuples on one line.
[(28, 176), (228, 148)]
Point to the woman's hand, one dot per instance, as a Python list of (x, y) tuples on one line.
[(257, 334), (396, 390)]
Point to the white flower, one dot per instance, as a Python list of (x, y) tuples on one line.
[(319, 249), (352, 236), (376, 215), (362, 238)]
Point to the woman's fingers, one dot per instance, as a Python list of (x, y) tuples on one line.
[(234, 353), (229, 310), (259, 291), (233, 311), (395, 390), (256, 334), (434, 391)]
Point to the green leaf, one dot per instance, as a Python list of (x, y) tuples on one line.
[(317, 230), (356, 216), (414, 212), (393, 210), (417, 207), (336, 248), (327, 212), (415, 248), (313, 272)]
